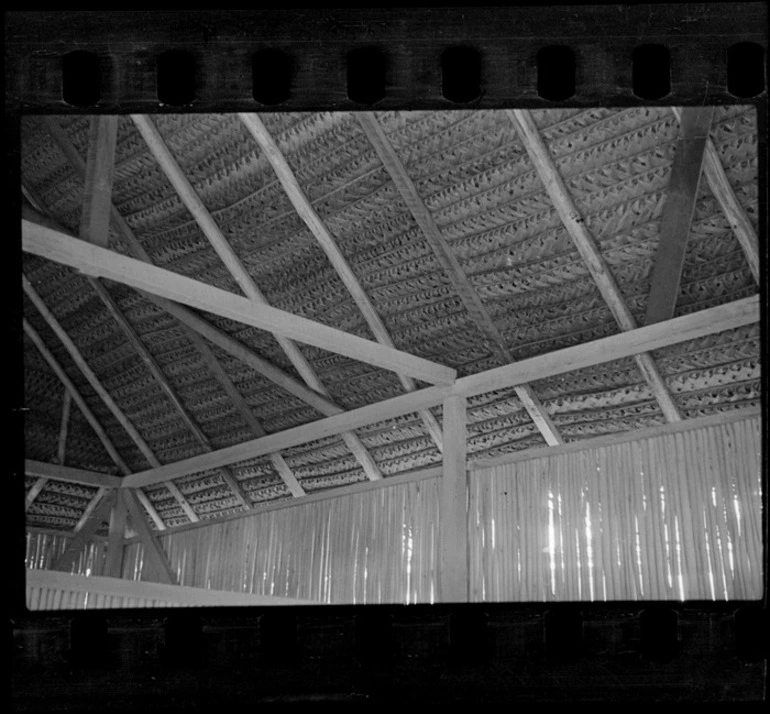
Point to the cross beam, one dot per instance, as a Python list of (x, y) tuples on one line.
[(625, 344), (54, 245)]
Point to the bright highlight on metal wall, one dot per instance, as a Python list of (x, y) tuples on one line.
[(373, 547), (673, 517), (669, 517)]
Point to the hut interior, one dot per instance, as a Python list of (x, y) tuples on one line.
[(392, 357)]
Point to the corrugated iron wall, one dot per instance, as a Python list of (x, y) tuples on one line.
[(671, 517), (374, 547), (674, 517)]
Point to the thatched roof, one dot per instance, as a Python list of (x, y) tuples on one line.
[(478, 182)]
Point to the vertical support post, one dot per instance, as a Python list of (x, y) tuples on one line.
[(454, 570), (114, 565)]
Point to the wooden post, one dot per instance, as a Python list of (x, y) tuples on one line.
[(100, 167), (113, 567), (454, 571)]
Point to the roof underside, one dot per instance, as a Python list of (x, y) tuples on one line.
[(474, 175)]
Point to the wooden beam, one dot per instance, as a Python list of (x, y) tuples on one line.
[(65, 418), (104, 395), (626, 344), (243, 408), (720, 186), (622, 437), (100, 514), (57, 472), (142, 497), (135, 248), (182, 501), (575, 225), (330, 426), (61, 248), (318, 400), (97, 193), (729, 316), (152, 549), (476, 310), (162, 381), (319, 230), (678, 209), (113, 565), (90, 508), (281, 503), (61, 374), (476, 464), (454, 570), (260, 365), (242, 276), (34, 492), (87, 372)]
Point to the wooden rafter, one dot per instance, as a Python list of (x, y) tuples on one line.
[(87, 532), (625, 344), (103, 394), (453, 270), (228, 256), (242, 407), (152, 549), (720, 186), (65, 420), (138, 252), (586, 246), (62, 248), (92, 504), (180, 313), (321, 233), (165, 385), (151, 512), (57, 472), (436, 472), (62, 375), (97, 192), (678, 209), (64, 473), (34, 492)]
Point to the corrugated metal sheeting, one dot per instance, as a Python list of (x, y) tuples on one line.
[(669, 517), (674, 517)]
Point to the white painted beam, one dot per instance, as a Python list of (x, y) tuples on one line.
[(99, 262), (454, 570), (625, 344)]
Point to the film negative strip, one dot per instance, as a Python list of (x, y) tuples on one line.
[(348, 60)]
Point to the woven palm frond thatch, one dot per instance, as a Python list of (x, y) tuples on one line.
[(474, 176)]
